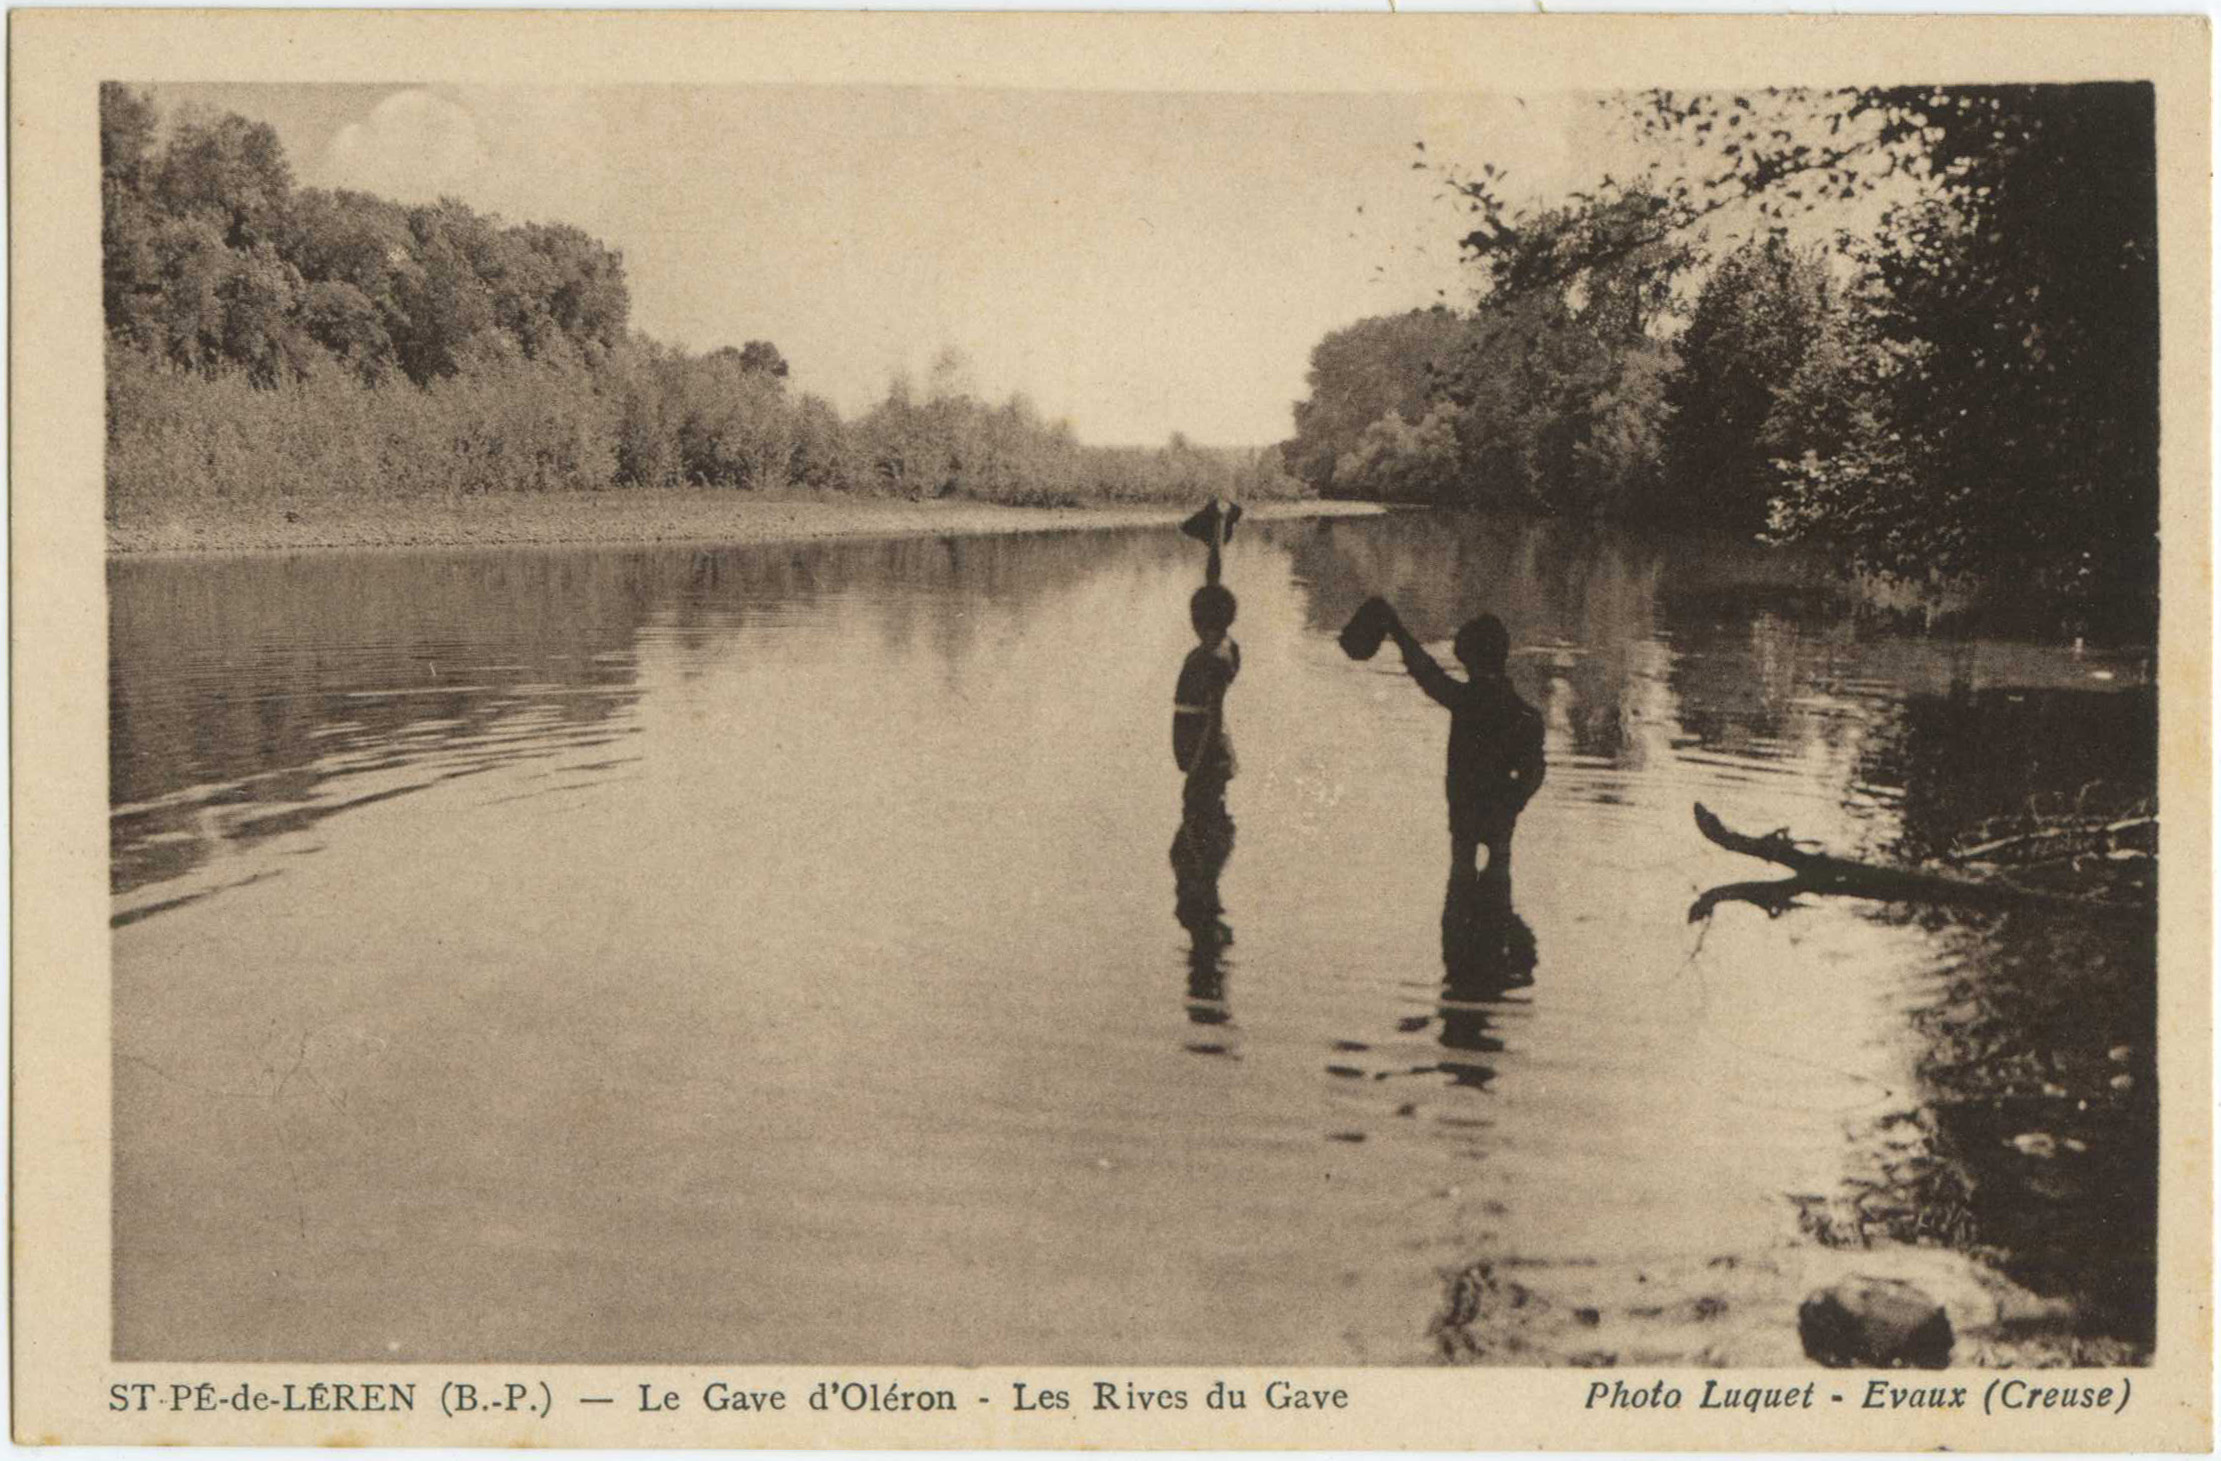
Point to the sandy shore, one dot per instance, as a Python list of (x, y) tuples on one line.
[(630, 517)]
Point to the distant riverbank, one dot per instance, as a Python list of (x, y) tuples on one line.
[(685, 515)]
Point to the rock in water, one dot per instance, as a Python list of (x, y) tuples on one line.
[(1875, 1323)]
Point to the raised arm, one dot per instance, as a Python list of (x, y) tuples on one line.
[(1432, 677)]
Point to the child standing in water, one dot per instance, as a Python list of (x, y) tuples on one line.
[(1495, 760), (1199, 740), (1205, 754)]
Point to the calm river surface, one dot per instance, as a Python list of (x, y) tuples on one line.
[(770, 954)]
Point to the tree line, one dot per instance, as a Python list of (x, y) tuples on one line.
[(1965, 388), (269, 342)]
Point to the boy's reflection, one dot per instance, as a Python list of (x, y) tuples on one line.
[(1199, 853), (1487, 950)]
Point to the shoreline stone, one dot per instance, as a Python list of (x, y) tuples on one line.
[(1875, 1323)]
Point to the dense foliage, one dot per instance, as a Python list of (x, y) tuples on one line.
[(267, 342), (1963, 386)]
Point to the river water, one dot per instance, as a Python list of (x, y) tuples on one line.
[(770, 954)]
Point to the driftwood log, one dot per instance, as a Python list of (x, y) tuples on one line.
[(1818, 872)]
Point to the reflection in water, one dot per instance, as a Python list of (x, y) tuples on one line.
[(1199, 853), (250, 699), (798, 892), (2073, 750), (2039, 1081), (1487, 951)]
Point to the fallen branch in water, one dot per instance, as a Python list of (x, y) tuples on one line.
[(1776, 897), (1819, 872)]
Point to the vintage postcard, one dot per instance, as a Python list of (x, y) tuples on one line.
[(1116, 731)]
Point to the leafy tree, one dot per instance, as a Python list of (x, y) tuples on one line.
[(1560, 388), (2013, 309), (560, 289), (1760, 314), (1364, 373), (356, 256), (764, 358), (1984, 400), (128, 123), (256, 293), (1396, 460), (444, 300), (130, 276), (350, 238), (349, 325), (732, 425), (229, 169), (2022, 308), (824, 458)]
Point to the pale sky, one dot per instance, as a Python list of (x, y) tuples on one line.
[(1139, 263)]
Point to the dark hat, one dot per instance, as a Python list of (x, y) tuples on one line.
[(1214, 522), (1361, 637)]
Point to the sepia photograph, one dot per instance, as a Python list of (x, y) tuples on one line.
[(859, 725)]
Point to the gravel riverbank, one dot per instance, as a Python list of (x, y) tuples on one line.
[(655, 516)]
